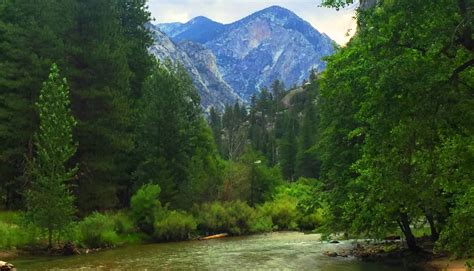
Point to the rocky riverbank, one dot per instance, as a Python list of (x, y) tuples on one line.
[(394, 252)]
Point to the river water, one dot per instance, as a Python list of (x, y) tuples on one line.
[(275, 251)]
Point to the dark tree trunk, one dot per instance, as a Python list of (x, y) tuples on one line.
[(404, 224), (434, 231)]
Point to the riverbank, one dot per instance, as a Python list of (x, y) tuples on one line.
[(394, 252)]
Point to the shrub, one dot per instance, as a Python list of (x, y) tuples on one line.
[(311, 221), (174, 226), (98, 230), (262, 223), (9, 235), (123, 223), (145, 206), (235, 218), (15, 232), (282, 211), (212, 218), (241, 217)]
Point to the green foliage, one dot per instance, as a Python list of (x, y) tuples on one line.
[(283, 212), (175, 145), (11, 230), (123, 223), (215, 122), (310, 206), (98, 230), (262, 223), (49, 202), (145, 206), (263, 179), (102, 49), (469, 265), (458, 236), (337, 3), (312, 221), (234, 131), (288, 145), (174, 226), (307, 158), (248, 179), (235, 217), (390, 119)]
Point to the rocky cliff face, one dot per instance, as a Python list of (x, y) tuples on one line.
[(201, 66), (251, 53)]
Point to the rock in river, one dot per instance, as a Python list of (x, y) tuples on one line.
[(4, 266)]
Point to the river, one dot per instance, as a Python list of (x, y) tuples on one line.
[(275, 251)]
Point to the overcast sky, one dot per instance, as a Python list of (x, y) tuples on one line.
[(335, 24)]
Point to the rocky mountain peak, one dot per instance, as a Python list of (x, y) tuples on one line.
[(251, 53)]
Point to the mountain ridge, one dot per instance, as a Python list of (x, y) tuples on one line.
[(267, 45)]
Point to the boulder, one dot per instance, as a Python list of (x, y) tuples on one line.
[(70, 249), (4, 266)]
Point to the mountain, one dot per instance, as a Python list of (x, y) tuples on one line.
[(199, 29), (201, 66), (251, 53)]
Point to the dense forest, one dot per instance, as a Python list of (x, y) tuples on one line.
[(101, 144)]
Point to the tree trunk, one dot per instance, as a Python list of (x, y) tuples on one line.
[(434, 231), (404, 224)]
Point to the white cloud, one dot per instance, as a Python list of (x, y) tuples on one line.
[(334, 23)]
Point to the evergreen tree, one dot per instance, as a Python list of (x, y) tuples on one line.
[(307, 161), (234, 131), (288, 146), (215, 121), (31, 35), (49, 201), (176, 146), (102, 47)]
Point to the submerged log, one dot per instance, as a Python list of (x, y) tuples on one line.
[(215, 236)]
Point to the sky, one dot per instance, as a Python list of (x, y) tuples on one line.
[(335, 24)]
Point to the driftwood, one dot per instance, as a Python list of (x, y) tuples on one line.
[(215, 236)]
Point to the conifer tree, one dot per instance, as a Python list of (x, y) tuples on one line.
[(288, 146), (49, 201)]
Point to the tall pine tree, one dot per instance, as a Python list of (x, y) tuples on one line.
[(50, 204)]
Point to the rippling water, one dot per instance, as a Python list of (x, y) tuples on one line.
[(275, 251)]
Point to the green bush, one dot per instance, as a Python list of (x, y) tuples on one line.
[(262, 223), (174, 226), (9, 235), (212, 218), (283, 212), (310, 221), (145, 207), (235, 218), (98, 230), (123, 223), (14, 232), (241, 217)]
